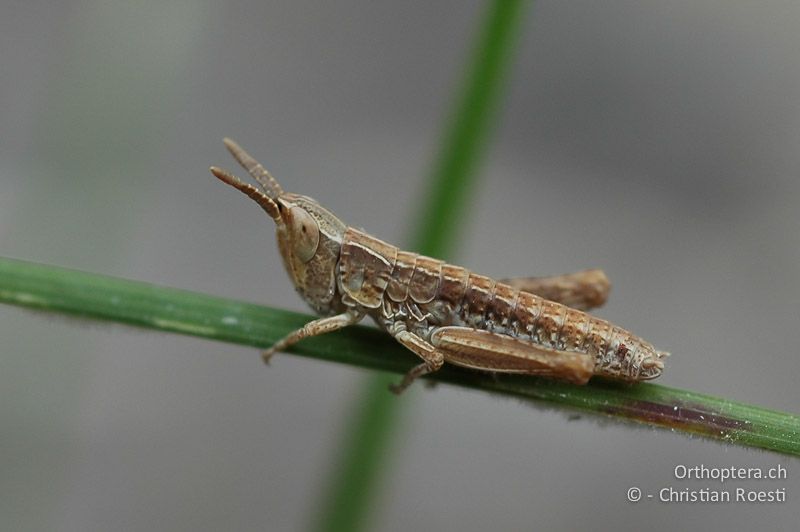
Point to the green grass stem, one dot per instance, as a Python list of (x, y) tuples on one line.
[(53, 289)]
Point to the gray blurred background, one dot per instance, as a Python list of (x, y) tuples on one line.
[(656, 140)]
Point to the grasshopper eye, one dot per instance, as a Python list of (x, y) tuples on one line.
[(305, 234)]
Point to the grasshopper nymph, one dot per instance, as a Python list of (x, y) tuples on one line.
[(443, 313)]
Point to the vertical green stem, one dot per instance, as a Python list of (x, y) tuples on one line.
[(355, 483), (465, 140)]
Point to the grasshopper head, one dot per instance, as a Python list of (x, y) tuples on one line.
[(309, 236)]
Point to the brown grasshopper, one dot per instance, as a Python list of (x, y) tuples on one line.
[(443, 313)]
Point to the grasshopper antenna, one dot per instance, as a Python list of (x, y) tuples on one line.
[(252, 192), (254, 168)]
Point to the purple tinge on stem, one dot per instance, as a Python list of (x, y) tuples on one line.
[(685, 416)]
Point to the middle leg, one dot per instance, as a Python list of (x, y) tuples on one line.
[(433, 358)]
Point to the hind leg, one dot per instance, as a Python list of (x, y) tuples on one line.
[(582, 290)]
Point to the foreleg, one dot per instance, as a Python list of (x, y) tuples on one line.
[(314, 328)]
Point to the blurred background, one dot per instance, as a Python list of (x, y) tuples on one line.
[(656, 140)]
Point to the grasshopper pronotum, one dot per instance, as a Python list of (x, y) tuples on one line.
[(443, 313)]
